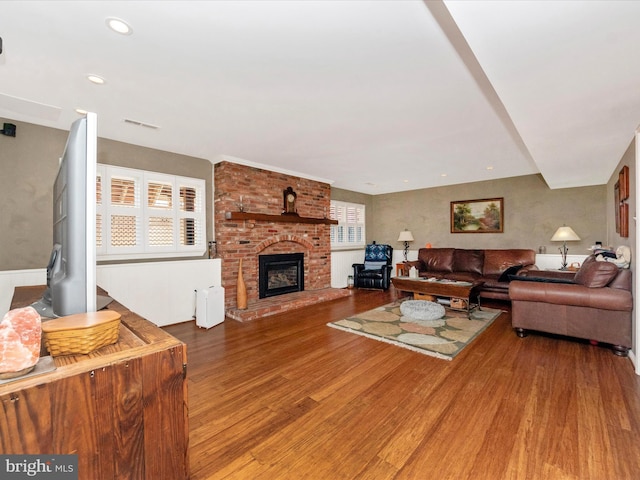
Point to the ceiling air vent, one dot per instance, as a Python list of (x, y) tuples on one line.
[(141, 124)]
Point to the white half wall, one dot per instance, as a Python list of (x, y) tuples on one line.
[(162, 292), (9, 279)]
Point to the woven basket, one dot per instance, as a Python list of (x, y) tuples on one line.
[(81, 333)]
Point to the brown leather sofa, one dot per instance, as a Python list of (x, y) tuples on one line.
[(492, 266), (596, 305)]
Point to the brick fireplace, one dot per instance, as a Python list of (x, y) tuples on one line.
[(249, 222)]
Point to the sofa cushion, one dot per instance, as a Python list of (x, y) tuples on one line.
[(468, 261), (497, 261), (437, 259), (596, 274), (370, 265)]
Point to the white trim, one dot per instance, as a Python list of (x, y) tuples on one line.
[(270, 168), (90, 211)]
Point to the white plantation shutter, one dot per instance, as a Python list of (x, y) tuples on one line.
[(191, 222), (350, 231), (149, 214), (124, 211), (160, 217), (100, 245)]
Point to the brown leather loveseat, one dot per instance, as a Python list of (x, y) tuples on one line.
[(596, 305), (492, 266)]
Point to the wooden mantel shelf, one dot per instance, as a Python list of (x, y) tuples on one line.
[(284, 218)]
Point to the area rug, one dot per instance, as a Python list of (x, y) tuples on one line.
[(443, 338)]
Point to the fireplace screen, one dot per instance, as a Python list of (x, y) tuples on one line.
[(280, 274)]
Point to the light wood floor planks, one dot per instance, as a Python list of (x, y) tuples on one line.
[(286, 397)]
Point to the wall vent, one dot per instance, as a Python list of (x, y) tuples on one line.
[(141, 124)]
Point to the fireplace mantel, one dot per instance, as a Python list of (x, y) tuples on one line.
[(284, 218)]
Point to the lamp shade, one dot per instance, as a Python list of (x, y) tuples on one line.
[(565, 234), (405, 236)]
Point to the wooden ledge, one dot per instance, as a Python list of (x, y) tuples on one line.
[(284, 218)]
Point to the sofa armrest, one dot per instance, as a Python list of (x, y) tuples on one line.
[(386, 274), (413, 263), (604, 298)]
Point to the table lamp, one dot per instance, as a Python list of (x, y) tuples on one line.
[(564, 234), (406, 237)]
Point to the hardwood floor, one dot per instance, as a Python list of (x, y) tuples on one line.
[(289, 398)]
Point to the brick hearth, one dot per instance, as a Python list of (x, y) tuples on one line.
[(283, 303), (261, 193)]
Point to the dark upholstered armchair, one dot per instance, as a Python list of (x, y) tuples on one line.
[(375, 272)]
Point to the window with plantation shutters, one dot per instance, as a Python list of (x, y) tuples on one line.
[(143, 214), (350, 230)]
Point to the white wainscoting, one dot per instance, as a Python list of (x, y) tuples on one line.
[(550, 261), (342, 263), (161, 292)]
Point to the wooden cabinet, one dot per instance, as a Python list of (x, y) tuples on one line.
[(122, 409)]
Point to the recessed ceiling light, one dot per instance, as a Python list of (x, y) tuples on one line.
[(81, 111), (443, 174), (119, 26), (406, 181), (98, 80), (490, 167)]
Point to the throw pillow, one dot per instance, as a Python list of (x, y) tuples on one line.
[(509, 272), (596, 274)]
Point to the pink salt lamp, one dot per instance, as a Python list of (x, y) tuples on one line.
[(20, 336)]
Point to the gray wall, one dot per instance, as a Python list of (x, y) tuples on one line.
[(29, 163), (532, 213)]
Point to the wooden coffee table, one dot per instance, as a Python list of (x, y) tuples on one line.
[(442, 288)]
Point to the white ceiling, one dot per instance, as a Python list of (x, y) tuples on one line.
[(371, 96)]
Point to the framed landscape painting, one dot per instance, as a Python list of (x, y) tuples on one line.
[(477, 216)]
